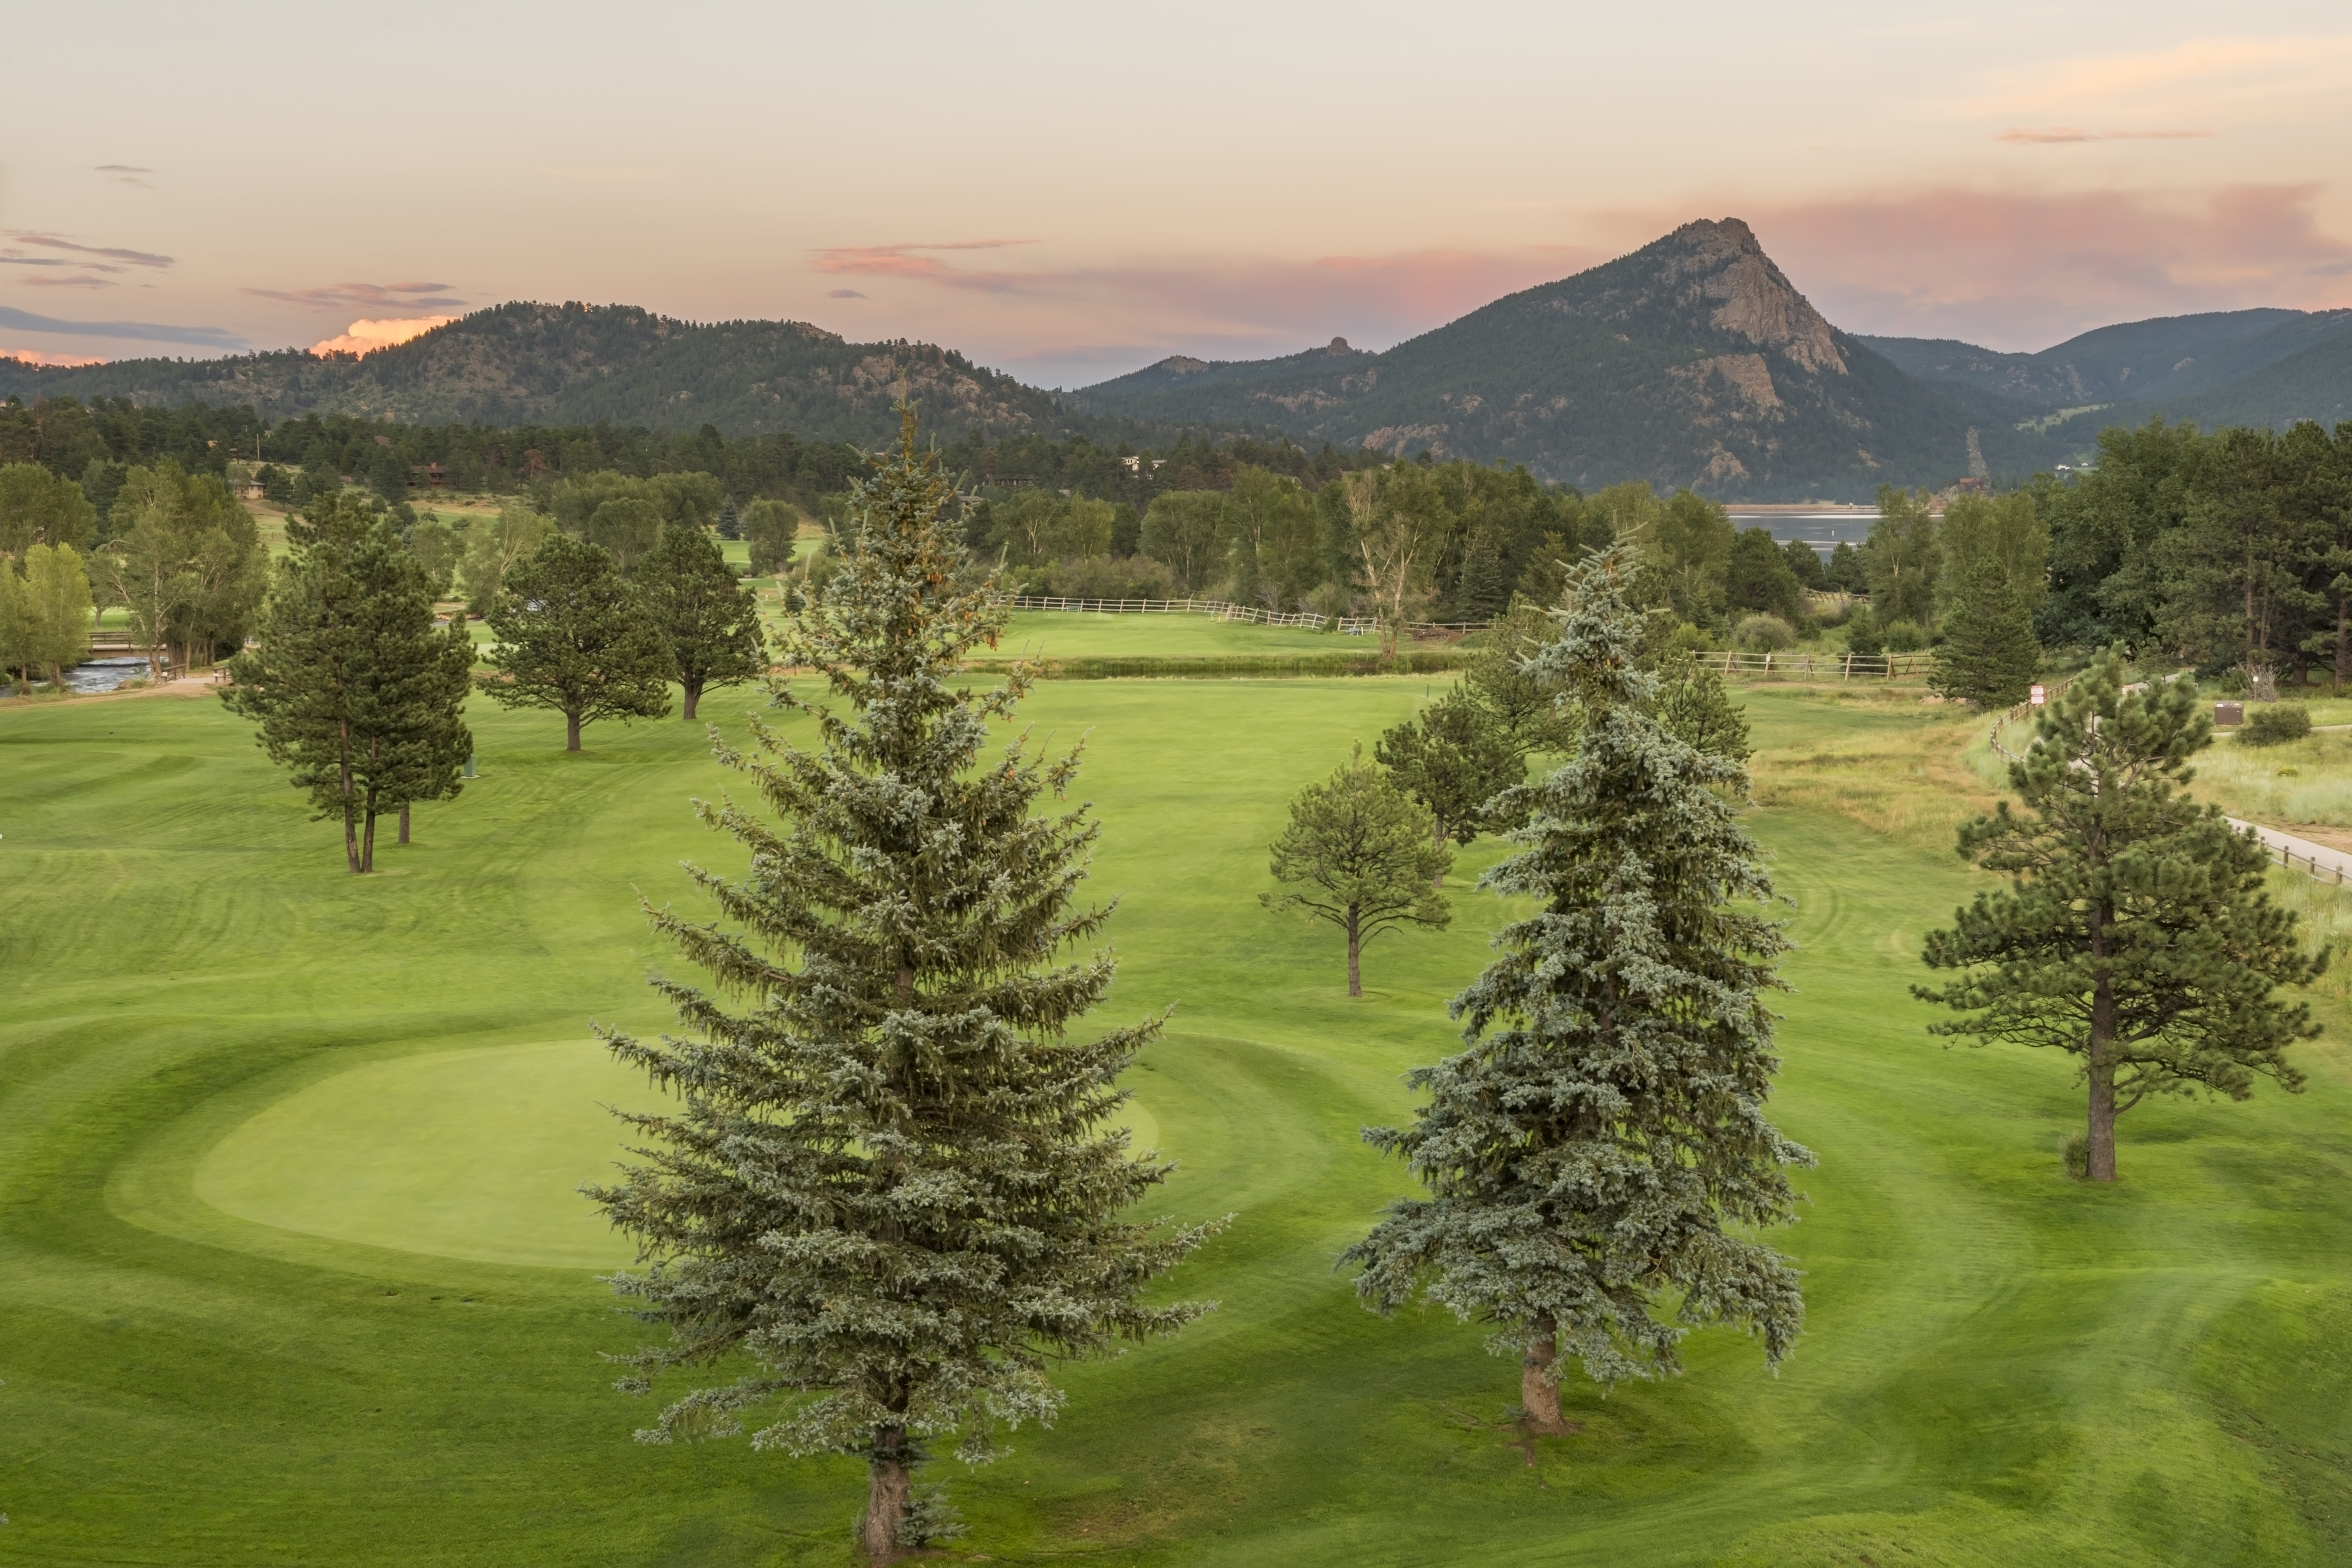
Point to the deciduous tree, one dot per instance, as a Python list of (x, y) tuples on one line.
[(1365, 856), (2134, 933), (1597, 1158), (574, 636), (895, 1190)]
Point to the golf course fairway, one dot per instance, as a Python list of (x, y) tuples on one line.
[(294, 1270)]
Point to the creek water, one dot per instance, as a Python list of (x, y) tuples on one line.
[(105, 674)]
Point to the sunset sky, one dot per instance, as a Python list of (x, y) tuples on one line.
[(1071, 191)]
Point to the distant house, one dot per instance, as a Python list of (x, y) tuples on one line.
[(430, 476)]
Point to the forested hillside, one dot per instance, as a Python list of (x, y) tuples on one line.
[(1691, 362), (576, 365)]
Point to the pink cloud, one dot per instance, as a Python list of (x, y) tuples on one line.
[(43, 280), (2022, 270), (366, 337), (1227, 306)]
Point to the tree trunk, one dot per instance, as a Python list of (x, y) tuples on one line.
[(890, 1484), (2101, 1069), (2343, 643), (351, 836), (693, 690), (1355, 949), (404, 821), (1538, 1393), (1438, 843), (571, 731), (367, 842)]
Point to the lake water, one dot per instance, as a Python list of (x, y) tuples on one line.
[(1824, 530)]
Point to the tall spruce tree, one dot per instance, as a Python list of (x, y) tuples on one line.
[(357, 695), (711, 620), (1989, 655), (574, 636), (2135, 933), (1600, 1147), (896, 1190)]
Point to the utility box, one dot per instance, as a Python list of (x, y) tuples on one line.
[(2229, 715)]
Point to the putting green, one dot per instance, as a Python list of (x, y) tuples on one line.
[(476, 1155)]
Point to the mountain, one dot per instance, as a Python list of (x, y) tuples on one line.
[(1693, 361), (2314, 384), (2162, 361), (561, 365)]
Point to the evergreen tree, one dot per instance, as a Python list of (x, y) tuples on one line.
[(574, 637), (1601, 1143), (356, 694), (1370, 855), (1453, 758), (1525, 708), (730, 521), (1988, 655), (711, 620), (1696, 709), (2136, 934), (896, 1185)]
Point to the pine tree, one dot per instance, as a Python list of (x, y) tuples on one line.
[(895, 1185), (1453, 758), (1989, 655), (731, 522), (1600, 1145), (1369, 856), (574, 636), (711, 620), (2136, 934), (356, 694)]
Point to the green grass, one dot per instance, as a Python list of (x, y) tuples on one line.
[(291, 1271)]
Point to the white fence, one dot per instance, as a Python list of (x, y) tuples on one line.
[(1815, 666)]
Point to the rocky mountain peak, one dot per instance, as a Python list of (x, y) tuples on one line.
[(1723, 261)]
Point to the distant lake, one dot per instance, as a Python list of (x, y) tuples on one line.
[(1825, 528)]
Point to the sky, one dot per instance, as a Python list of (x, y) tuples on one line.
[(1068, 192)]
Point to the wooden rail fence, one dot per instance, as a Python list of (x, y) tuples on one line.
[(1815, 666)]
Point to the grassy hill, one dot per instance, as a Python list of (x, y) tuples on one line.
[(520, 363), (292, 1269)]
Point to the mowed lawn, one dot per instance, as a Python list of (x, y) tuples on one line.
[(292, 1269)]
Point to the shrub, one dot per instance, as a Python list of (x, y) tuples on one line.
[(1862, 634), (2078, 1155), (2276, 724), (1904, 637), (1764, 633)]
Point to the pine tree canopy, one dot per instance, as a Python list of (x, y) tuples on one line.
[(895, 1191), (1600, 1148), (2136, 932), (358, 697), (1989, 655), (574, 636), (711, 620)]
